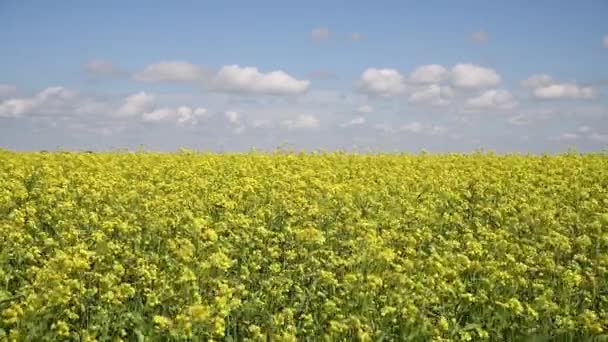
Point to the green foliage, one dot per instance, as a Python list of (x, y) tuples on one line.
[(292, 246)]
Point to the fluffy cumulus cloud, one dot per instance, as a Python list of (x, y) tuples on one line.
[(53, 103), (143, 106), (235, 119), (582, 133), (52, 100), (261, 123), (170, 71), (566, 137), (187, 115), (435, 85), (480, 36), (433, 94), (7, 90), (382, 82), (304, 121), (232, 117), (229, 78), (59, 103), (545, 87), (321, 33), (233, 78), (593, 134), (357, 121), (564, 91), (537, 81), (365, 109), (136, 104), (520, 120), (473, 76), (528, 117), (431, 84), (584, 129), (492, 99), (182, 115), (415, 127), (431, 73), (101, 68), (597, 137)]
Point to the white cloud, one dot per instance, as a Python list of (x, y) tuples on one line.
[(473, 76), (321, 33), (415, 127), (383, 82), (492, 99), (88, 106), (519, 120), (233, 78), (566, 137), (63, 103), (14, 107), (158, 115), (232, 116), (527, 117), (183, 115), (420, 128), (433, 94), (356, 36), (170, 71), (537, 81), (230, 78), (56, 92), (190, 116), (136, 104), (101, 68), (586, 132), (302, 122), (239, 130), (365, 109), (605, 41), (545, 87), (584, 129), (261, 123), (7, 90), (431, 73), (563, 91), (603, 138), (359, 120), (480, 36), (582, 132), (110, 129), (52, 100)]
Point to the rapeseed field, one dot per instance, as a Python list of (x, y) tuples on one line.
[(286, 246)]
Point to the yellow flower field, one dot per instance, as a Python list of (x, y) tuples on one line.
[(292, 246)]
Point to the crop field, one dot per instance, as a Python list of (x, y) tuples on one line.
[(142, 246)]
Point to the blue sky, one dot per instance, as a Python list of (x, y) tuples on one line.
[(232, 75)]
